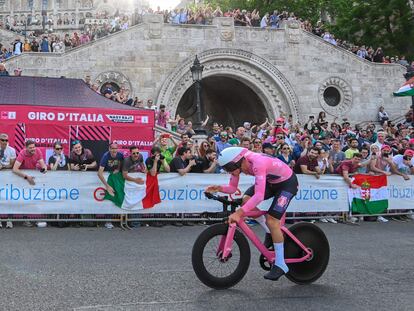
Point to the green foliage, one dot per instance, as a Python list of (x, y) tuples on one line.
[(385, 23)]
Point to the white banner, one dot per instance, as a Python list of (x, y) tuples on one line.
[(82, 193)]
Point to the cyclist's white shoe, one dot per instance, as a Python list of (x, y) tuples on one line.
[(332, 221), (324, 220), (382, 219)]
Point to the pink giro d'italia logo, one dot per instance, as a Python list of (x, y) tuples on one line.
[(8, 115)]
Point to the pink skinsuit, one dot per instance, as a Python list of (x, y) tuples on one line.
[(266, 170)]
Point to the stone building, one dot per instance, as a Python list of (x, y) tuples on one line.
[(72, 13), (249, 73)]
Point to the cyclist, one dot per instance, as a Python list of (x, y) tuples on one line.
[(273, 178)]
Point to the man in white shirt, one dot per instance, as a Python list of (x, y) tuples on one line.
[(7, 159), (405, 163), (7, 153)]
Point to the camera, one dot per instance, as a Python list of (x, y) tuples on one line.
[(82, 166), (161, 157)]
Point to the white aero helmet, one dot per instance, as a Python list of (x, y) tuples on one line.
[(230, 158)]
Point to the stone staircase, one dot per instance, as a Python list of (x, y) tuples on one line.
[(7, 37)]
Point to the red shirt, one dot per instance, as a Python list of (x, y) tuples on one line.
[(29, 161), (346, 166), (310, 164)]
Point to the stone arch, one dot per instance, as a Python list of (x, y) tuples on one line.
[(261, 76), (114, 77)]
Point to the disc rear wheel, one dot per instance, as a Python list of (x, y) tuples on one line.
[(314, 240)]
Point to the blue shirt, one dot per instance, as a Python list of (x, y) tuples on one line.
[(111, 164), (220, 146), (282, 158), (297, 150), (44, 45)]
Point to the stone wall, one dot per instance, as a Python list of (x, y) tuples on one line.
[(289, 69)]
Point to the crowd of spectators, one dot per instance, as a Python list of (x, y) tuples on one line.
[(201, 15), (315, 148), (59, 43)]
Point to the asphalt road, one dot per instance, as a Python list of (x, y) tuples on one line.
[(371, 268)]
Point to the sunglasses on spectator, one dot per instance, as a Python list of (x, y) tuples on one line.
[(58, 148), (280, 137), (4, 140), (285, 148), (135, 153), (75, 142), (257, 142)]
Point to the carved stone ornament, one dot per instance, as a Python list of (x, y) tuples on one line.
[(114, 77), (345, 92), (154, 24), (293, 32), (262, 77), (226, 28)]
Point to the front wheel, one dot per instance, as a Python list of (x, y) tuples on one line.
[(315, 240), (209, 265)]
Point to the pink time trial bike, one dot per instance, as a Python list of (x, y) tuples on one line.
[(221, 253)]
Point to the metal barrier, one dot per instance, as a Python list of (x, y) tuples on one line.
[(123, 219)]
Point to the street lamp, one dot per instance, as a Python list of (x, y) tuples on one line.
[(197, 74)]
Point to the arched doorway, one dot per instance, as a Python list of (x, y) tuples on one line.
[(227, 100), (231, 73)]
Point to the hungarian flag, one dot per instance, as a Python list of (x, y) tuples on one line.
[(131, 196), (407, 89), (372, 195)]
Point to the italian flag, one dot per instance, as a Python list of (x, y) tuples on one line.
[(407, 89), (131, 196), (372, 195)]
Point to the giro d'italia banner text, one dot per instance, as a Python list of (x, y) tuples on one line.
[(82, 193)]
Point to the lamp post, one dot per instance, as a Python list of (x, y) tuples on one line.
[(197, 74)]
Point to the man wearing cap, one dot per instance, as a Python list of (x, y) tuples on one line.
[(222, 143), (268, 149), (384, 164), (405, 162)]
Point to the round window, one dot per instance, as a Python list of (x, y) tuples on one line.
[(332, 96)]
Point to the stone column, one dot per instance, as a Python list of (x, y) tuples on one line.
[(54, 10), (77, 3)]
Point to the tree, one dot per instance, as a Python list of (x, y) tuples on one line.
[(385, 23)]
